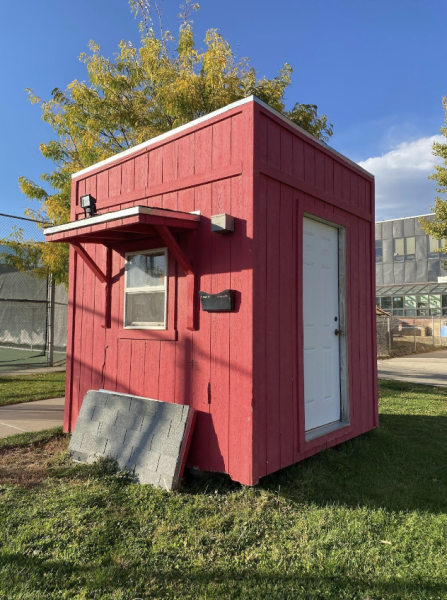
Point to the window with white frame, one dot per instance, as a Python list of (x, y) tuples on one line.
[(146, 289)]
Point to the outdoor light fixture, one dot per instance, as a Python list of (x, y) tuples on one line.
[(88, 203)]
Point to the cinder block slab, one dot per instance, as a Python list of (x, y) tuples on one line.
[(148, 437)]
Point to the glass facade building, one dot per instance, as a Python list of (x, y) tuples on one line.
[(409, 266)]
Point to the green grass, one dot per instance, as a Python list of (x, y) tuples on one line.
[(367, 519), (26, 388), (30, 438)]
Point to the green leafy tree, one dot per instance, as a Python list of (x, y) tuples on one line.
[(437, 227), (139, 94)]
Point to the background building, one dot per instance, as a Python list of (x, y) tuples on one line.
[(409, 269)]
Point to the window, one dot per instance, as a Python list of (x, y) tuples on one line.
[(399, 252), (410, 306), (378, 301), (404, 249), (398, 306), (378, 251), (410, 248), (146, 289), (435, 305), (434, 246), (386, 303), (422, 306), (444, 304)]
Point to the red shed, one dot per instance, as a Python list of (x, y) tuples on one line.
[(291, 369)]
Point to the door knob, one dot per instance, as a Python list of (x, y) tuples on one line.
[(338, 332)]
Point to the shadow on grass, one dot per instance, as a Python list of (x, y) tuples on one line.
[(56, 576), (400, 466)]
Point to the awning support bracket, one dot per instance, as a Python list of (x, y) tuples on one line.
[(80, 250), (170, 241), (103, 278)]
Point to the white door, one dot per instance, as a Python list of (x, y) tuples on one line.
[(321, 320)]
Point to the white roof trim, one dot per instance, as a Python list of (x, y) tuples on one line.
[(403, 219), (165, 136), (205, 118), (118, 214)]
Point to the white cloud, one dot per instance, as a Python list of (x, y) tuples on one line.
[(402, 187)]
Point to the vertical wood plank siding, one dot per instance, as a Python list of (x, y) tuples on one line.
[(242, 371), (293, 176), (196, 368)]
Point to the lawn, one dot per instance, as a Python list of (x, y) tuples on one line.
[(366, 520), (25, 388)]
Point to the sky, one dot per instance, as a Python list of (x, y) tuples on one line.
[(374, 67)]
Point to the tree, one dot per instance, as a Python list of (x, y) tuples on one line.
[(438, 226), (141, 93)]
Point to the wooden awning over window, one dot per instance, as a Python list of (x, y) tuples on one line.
[(129, 225)]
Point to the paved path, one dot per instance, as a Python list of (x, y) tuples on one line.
[(429, 368), (32, 371), (31, 416)]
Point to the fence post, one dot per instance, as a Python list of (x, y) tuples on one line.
[(52, 290), (388, 334), (414, 333), (433, 330)]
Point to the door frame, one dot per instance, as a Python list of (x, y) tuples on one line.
[(343, 339)]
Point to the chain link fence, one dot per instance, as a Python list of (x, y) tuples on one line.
[(398, 336), (33, 311)]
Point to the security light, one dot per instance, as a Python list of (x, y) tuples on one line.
[(88, 203)]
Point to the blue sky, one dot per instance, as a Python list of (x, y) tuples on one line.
[(374, 67)]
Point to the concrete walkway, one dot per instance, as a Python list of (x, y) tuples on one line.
[(31, 416), (32, 371), (429, 368)]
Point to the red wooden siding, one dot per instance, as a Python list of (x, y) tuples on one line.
[(200, 169), (295, 175)]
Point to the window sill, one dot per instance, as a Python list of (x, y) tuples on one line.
[(148, 334)]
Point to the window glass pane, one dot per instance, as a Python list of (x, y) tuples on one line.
[(386, 302), (410, 312), (378, 251), (410, 248), (145, 308), (435, 301), (398, 249), (444, 301), (146, 270), (377, 301), (410, 302), (398, 302), (435, 305), (443, 244), (433, 245), (422, 304)]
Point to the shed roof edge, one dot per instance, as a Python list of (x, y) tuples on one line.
[(207, 117)]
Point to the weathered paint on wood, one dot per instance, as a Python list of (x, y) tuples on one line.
[(241, 371)]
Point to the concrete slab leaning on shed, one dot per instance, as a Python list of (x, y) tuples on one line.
[(147, 437)]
